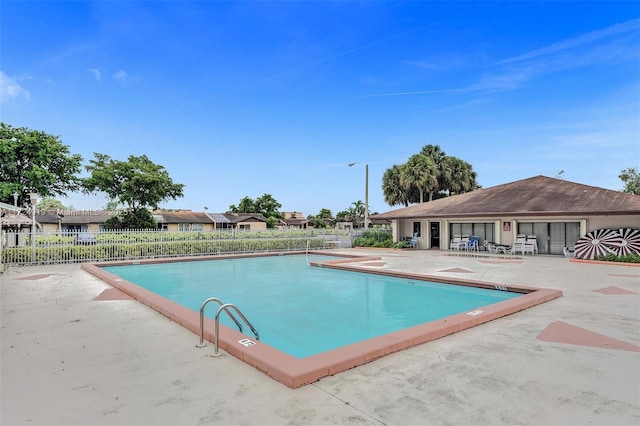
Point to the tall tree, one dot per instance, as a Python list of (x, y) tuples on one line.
[(246, 205), (268, 206), (438, 156), (322, 219), (421, 172), (324, 214), (457, 176), (356, 211), (452, 176), (50, 203), (137, 183), (631, 178), (34, 161), (394, 192), (434, 152)]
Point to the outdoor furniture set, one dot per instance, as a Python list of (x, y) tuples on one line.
[(524, 244)]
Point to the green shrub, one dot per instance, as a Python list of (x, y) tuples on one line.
[(148, 248), (402, 244), (627, 258), (374, 238)]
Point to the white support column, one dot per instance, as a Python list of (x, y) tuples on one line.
[(583, 227), (445, 238)]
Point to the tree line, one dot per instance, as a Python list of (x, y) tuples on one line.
[(34, 161)]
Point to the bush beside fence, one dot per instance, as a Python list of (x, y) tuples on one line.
[(161, 244)]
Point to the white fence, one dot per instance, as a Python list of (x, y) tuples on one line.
[(26, 248)]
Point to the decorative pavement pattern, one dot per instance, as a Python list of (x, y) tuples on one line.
[(561, 332)]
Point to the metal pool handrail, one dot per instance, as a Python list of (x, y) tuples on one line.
[(224, 308), (212, 299)]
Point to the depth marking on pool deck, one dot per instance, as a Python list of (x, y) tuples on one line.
[(113, 294), (35, 277), (296, 372), (614, 290), (561, 332), (458, 270)]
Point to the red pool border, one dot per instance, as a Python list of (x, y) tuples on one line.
[(294, 372)]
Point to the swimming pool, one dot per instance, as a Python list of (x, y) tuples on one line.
[(304, 310), (301, 364)]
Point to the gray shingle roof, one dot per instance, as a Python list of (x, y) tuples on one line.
[(184, 216), (539, 195)]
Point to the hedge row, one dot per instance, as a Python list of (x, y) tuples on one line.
[(104, 252)]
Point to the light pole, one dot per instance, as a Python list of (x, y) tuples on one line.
[(34, 199), (366, 194)]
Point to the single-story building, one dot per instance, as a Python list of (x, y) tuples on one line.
[(239, 221), (61, 221), (556, 211), (296, 220)]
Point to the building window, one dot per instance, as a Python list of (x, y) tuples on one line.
[(416, 229), (552, 237), (244, 227), (484, 231), (186, 227)]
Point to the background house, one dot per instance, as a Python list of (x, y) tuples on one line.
[(61, 221), (239, 221), (296, 220)]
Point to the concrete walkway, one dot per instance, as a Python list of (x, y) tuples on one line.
[(69, 358)]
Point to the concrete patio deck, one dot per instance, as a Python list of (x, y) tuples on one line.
[(71, 356)]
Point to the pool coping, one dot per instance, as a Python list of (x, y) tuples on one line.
[(296, 372)]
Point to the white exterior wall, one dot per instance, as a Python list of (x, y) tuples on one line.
[(404, 227), (613, 222)]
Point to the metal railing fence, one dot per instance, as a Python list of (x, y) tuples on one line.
[(27, 248)]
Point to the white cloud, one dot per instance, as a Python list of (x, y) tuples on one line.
[(11, 90), (96, 73), (602, 46), (120, 75), (572, 43)]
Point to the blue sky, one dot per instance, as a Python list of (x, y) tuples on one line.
[(240, 98)]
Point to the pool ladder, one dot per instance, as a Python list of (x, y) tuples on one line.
[(223, 307)]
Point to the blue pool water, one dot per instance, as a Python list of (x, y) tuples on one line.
[(304, 310)]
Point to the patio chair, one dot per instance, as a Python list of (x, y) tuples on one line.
[(517, 247), (455, 242), (463, 243), (518, 244), (528, 247), (472, 244), (413, 243), (533, 241)]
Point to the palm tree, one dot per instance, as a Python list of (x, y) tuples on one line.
[(421, 172), (434, 152), (357, 211), (438, 156), (444, 176), (394, 192), (457, 176)]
